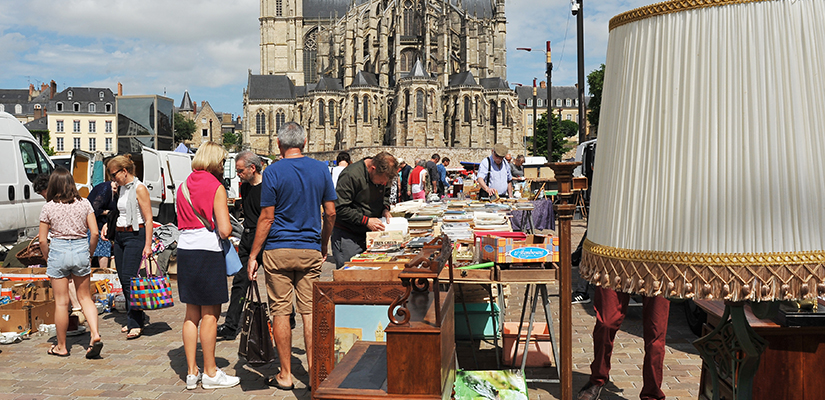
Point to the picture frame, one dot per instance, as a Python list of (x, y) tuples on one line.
[(325, 296)]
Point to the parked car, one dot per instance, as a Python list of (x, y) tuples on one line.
[(21, 160)]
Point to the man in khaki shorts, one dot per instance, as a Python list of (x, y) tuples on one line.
[(293, 240)]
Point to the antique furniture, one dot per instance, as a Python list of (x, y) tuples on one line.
[(418, 358)]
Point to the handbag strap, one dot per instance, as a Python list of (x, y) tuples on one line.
[(185, 190), (253, 294), (148, 264)]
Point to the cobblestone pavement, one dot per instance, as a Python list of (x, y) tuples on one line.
[(154, 366)]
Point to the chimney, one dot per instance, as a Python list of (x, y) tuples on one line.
[(119, 89), (31, 91), (543, 85), (194, 108), (38, 113), (43, 87), (53, 86)]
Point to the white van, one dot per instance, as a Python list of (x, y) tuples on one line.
[(21, 160), (163, 172)]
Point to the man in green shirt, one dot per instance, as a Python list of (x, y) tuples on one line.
[(363, 200)]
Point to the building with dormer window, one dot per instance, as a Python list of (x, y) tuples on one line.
[(83, 118)]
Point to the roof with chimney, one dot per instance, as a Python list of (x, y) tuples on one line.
[(40, 124)]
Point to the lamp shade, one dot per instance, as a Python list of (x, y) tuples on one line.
[(709, 180)]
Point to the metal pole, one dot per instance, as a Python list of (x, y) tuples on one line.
[(580, 42), (549, 106), (535, 117)]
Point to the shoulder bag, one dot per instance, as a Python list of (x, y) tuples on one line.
[(233, 261)]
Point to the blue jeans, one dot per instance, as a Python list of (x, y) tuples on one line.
[(68, 257), (128, 250)]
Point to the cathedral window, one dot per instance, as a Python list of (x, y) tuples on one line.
[(310, 55), (355, 109), (279, 8), (406, 104), (332, 113), (504, 116), (366, 108), (419, 104), (467, 110), (408, 57), (493, 113), (410, 20), (260, 123), (321, 106), (280, 119)]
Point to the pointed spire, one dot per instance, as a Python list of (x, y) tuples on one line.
[(186, 103), (418, 70)]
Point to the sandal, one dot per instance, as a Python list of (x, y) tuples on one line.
[(94, 350), (51, 352), (124, 329), (134, 333)]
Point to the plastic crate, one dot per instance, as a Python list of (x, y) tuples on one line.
[(482, 321)]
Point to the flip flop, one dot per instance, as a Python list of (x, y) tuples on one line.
[(94, 350), (273, 381), (51, 352), (124, 329), (134, 333)]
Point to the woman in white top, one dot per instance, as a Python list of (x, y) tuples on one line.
[(133, 239)]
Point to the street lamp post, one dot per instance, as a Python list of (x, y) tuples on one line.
[(535, 117), (578, 11), (549, 103)]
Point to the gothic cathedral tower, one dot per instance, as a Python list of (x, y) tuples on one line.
[(282, 43)]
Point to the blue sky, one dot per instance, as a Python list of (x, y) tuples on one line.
[(207, 46)]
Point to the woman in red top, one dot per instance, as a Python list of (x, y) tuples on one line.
[(203, 219)]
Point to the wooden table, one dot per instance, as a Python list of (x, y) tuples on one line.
[(789, 368)]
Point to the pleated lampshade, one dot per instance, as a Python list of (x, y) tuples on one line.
[(709, 179)]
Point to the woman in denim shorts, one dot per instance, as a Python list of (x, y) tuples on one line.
[(67, 218)]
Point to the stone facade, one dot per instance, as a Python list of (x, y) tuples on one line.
[(419, 73)]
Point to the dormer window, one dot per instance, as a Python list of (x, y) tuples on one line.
[(76, 107), (92, 107), (108, 108), (59, 106), (18, 109), (101, 95), (70, 94), (568, 102), (37, 106)]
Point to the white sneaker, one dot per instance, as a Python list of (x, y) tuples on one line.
[(192, 380), (219, 381)]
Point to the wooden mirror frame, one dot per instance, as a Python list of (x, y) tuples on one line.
[(325, 296)]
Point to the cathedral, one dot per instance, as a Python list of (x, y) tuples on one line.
[(391, 73)]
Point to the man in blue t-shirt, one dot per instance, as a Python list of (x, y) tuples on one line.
[(293, 240)]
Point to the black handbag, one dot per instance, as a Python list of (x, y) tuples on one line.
[(256, 344)]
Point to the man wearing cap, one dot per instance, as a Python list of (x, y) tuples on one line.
[(494, 175)]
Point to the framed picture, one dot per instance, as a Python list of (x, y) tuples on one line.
[(370, 303)]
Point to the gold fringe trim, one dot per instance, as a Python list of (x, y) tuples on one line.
[(675, 276), (669, 7)]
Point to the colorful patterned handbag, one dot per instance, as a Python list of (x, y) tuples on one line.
[(150, 292)]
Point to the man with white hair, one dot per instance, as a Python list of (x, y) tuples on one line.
[(293, 239)]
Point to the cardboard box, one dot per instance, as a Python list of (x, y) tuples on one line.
[(536, 248), (19, 316), (378, 272), (14, 317), (99, 274), (30, 290)]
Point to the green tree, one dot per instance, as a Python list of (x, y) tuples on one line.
[(45, 140), (561, 131), (184, 128), (595, 80), (232, 140)]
